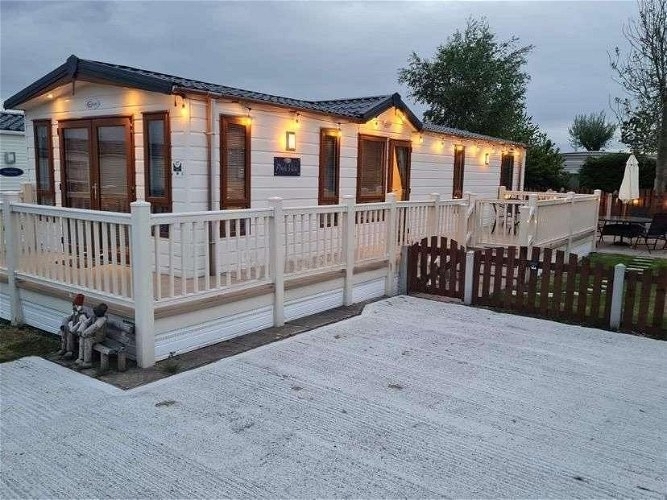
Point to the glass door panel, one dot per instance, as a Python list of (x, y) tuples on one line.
[(112, 150), (76, 155), (399, 174)]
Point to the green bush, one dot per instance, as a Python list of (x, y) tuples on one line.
[(606, 172)]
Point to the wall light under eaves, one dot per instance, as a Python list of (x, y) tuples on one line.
[(487, 158), (290, 140)]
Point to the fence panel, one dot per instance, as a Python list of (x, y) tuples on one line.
[(437, 266), (644, 303)]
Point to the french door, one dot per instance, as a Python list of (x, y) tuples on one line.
[(399, 169), (97, 164)]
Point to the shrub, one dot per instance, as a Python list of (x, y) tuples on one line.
[(606, 172)]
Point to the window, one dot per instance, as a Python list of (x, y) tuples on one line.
[(371, 161), (157, 164), (329, 167), (507, 170), (459, 169), (46, 194), (234, 171)]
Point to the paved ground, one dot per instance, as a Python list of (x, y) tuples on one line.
[(413, 398)]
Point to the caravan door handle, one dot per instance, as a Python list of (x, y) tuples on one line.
[(94, 189)]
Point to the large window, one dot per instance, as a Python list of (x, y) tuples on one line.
[(371, 161), (459, 170), (46, 194), (329, 167), (507, 170)]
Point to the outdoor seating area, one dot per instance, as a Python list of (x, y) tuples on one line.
[(633, 231)]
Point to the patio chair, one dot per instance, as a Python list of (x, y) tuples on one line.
[(656, 231)]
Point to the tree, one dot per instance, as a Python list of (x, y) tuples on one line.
[(643, 74), (473, 83), (477, 83), (606, 172), (591, 132), (544, 165)]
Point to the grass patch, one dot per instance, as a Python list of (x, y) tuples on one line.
[(611, 259), (18, 342)]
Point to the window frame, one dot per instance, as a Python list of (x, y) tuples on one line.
[(393, 144), (321, 198), (165, 201), (360, 151), (51, 191), (458, 174), (225, 202)]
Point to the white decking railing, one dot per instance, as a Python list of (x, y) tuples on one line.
[(145, 262)]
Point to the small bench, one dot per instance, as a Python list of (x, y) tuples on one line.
[(116, 341)]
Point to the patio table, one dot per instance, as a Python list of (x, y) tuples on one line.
[(623, 226)]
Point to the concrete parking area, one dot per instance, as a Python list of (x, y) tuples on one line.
[(413, 398)]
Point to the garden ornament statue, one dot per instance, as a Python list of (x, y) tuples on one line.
[(70, 325), (90, 333)]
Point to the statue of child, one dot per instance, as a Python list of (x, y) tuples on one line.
[(70, 324), (91, 332)]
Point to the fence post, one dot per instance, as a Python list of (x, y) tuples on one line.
[(598, 194), (142, 282), (349, 245), (392, 238), (469, 277), (12, 255), (432, 217), (403, 272), (570, 218), (617, 297), (277, 238)]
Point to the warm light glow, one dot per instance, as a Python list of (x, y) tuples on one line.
[(339, 131), (399, 117), (487, 158), (296, 119), (458, 147), (376, 123), (49, 95), (290, 140)]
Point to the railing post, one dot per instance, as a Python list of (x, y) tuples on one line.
[(501, 192), (466, 211), (392, 239), (12, 255), (528, 222), (278, 260), (142, 282), (432, 217), (617, 297), (570, 217), (349, 245), (469, 277), (598, 195)]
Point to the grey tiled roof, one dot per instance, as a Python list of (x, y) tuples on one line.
[(11, 121), (441, 129)]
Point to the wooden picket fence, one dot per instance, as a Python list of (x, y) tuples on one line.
[(543, 283), (644, 303), (436, 266), (540, 282)]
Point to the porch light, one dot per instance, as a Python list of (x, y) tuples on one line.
[(290, 140), (248, 118), (296, 119), (421, 139), (458, 147), (338, 130), (49, 95), (486, 158), (376, 123)]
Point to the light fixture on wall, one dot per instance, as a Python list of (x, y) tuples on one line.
[(338, 130), (458, 147), (421, 139), (376, 123), (297, 115), (442, 143), (290, 140), (487, 158), (49, 95)]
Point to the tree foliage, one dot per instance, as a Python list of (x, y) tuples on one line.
[(606, 172), (643, 74), (591, 132), (477, 83), (474, 82)]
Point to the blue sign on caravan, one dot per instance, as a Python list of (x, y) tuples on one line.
[(11, 171)]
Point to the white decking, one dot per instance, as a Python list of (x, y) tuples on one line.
[(412, 399)]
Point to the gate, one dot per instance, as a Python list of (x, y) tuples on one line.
[(437, 266)]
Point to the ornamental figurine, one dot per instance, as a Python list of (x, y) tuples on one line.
[(90, 333), (69, 325)]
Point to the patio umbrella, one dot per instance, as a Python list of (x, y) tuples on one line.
[(629, 189)]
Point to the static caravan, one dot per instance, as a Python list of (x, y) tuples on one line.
[(14, 167), (103, 135)]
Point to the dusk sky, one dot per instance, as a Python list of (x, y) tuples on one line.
[(319, 50)]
